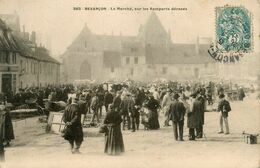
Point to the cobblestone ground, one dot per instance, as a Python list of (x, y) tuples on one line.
[(34, 148)]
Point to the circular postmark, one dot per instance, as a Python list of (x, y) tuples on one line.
[(233, 34)]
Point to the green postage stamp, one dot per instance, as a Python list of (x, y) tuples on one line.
[(233, 34)]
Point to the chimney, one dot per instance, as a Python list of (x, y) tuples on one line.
[(26, 36), (197, 45), (33, 37)]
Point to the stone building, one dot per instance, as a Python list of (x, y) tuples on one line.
[(23, 64), (149, 55)]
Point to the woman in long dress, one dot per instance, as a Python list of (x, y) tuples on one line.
[(152, 105), (114, 144)]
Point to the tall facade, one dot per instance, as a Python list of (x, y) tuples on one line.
[(23, 64), (149, 55)]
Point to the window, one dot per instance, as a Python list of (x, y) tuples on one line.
[(112, 69), (31, 67), (164, 70), (127, 60), (186, 55), (27, 66), (132, 71), (14, 58), (133, 49), (14, 83), (40, 68), (86, 44), (35, 68), (21, 65), (7, 59), (136, 60), (1, 57)]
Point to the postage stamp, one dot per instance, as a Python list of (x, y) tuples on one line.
[(233, 34)]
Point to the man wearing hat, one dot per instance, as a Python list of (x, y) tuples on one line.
[(117, 101), (88, 97), (82, 105), (95, 106), (224, 108), (72, 119), (177, 111), (108, 99), (200, 110), (241, 94), (194, 120), (127, 108), (19, 98)]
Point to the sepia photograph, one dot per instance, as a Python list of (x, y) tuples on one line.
[(129, 83)]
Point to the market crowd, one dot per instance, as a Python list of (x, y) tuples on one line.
[(126, 107)]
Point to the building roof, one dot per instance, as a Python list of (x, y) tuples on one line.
[(95, 42), (152, 25), (159, 48), (7, 41), (24, 48), (16, 43), (43, 54), (132, 49), (178, 54), (12, 20)]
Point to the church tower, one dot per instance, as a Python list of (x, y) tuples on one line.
[(153, 34)]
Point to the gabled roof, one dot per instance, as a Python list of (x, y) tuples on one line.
[(7, 41), (178, 54), (3, 26), (152, 25), (24, 48), (150, 32), (132, 49), (15, 43), (95, 42), (42, 54)]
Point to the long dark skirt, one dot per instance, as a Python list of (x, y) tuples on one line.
[(8, 132), (153, 122), (114, 143), (74, 133)]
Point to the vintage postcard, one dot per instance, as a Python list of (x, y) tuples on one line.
[(129, 83)]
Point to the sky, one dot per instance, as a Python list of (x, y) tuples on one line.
[(56, 20)]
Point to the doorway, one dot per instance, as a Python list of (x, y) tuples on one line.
[(7, 85), (85, 70)]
